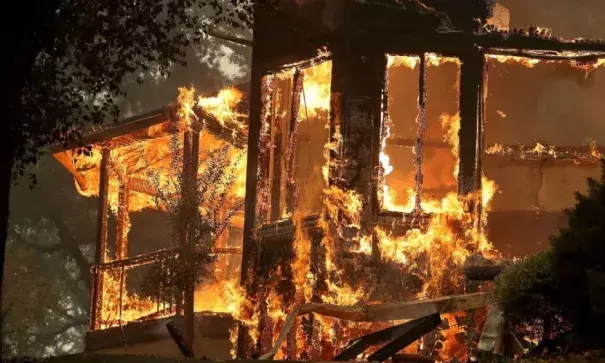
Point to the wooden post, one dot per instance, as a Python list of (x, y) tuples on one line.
[(251, 247), (291, 188), (96, 301), (192, 139), (122, 220), (472, 79), (421, 121)]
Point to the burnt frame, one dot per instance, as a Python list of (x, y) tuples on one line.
[(121, 262), (471, 48)]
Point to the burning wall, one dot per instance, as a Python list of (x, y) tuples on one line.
[(334, 258), (543, 134)]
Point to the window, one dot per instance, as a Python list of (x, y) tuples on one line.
[(409, 126), (299, 132)]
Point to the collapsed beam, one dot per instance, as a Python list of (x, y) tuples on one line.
[(359, 345), (413, 331), (402, 310)]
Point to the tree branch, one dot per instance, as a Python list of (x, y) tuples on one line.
[(38, 247), (64, 328), (72, 246)]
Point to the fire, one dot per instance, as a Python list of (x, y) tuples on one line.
[(137, 159), (186, 102), (223, 106), (315, 94)]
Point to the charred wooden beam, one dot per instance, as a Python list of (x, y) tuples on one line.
[(402, 310), (541, 152), (421, 122), (152, 257), (122, 221), (220, 35), (578, 57), (415, 329), (126, 126), (359, 345), (290, 151), (403, 142), (191, 160), (251, 247), (96, 300), (471, 125), (178, 339), (514, 41)]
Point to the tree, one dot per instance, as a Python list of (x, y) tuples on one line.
[(564, 287), (200, 208), (579, 263), (50, 245), (67, 61)]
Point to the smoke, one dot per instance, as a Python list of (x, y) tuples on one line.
[(567, 18)]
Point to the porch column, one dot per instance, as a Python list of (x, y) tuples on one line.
[(96, 298), (472, 87)]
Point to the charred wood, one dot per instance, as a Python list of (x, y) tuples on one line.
[(179, 340), (402, 310), (415, 329), (359, 345)]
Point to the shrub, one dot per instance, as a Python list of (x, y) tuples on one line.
[(527, 292), (579, 261)]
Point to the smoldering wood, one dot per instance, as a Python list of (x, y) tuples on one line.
[(415, 329), (178, 339), (402, 310), (359, 345)]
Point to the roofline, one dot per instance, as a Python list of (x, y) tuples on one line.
[(128, 125)]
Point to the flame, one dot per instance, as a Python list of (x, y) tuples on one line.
[(223, 106), (315, 95), (134, 159)]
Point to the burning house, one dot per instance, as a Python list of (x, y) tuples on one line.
[(389, 144)]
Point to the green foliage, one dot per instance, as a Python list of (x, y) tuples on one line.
[(567, 281), (45, 296), (528, 290), (79, 55), (579, 261), (200, 211)]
